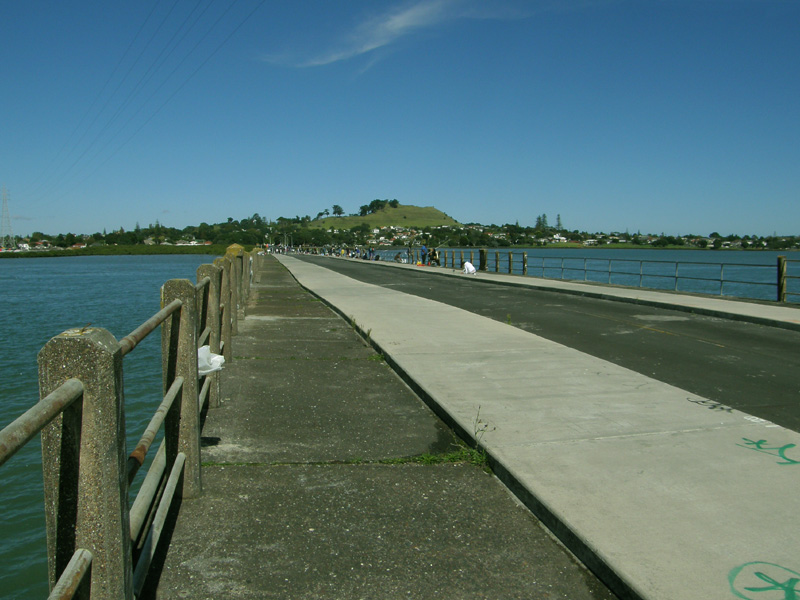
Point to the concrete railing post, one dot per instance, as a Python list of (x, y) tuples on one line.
[(248, 274), (228, 314), (84, 459), (524, 263), (179, 355), (236, 293), (781, 279), (482, 254), (510, 263), (234, 254), (213, 321)]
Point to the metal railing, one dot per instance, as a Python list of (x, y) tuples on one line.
[(96, 546), (755, 281)]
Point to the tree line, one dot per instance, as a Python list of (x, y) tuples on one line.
[(299, 231)]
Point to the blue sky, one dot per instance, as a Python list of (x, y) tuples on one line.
[(674, 116)]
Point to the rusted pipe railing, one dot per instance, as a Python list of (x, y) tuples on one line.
[(130, 341), (25, 427), (96, 546), (78, 570), (136, 458)]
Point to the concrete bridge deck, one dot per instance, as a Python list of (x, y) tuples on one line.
[(660, 492)]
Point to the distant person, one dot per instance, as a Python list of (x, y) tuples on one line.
[(424, 254), (433, 257), (468, 268)]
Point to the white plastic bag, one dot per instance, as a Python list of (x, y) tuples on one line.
[(207, 361)]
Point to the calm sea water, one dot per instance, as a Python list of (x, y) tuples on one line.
[(40, 298), (751, 274)]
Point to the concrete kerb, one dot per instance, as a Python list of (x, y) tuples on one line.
[(631, 295), (583, 550)]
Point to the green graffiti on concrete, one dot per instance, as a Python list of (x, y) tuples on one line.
[(764, 581), (779, 451)]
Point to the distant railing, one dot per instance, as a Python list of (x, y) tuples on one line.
[(765, 282), (96, 547)]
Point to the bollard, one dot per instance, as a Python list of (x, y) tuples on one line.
[(524, 263), (84, 461), (179, 359)]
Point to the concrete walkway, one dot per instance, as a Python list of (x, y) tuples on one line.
[(325, 476), (666, 494)]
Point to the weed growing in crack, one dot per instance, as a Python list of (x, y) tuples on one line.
[(480, 427)]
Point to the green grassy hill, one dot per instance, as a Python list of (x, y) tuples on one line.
[(402, 216)]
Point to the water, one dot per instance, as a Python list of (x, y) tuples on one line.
[(729, 273), (40, 298)]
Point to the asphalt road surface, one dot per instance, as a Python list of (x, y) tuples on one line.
[(753, 368)]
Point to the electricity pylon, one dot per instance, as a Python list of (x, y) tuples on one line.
[(6, 235)]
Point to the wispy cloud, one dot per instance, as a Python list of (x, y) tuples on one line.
[(390, 27), (408, 17), (382, 30)]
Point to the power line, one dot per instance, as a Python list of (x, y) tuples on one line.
[(179, 88), (57, 159), (84, 160)]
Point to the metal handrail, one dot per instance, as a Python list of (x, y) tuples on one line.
[(78, 568), (637, 272), (130, 341), (23, 429), (228, 274), (136, 458)]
